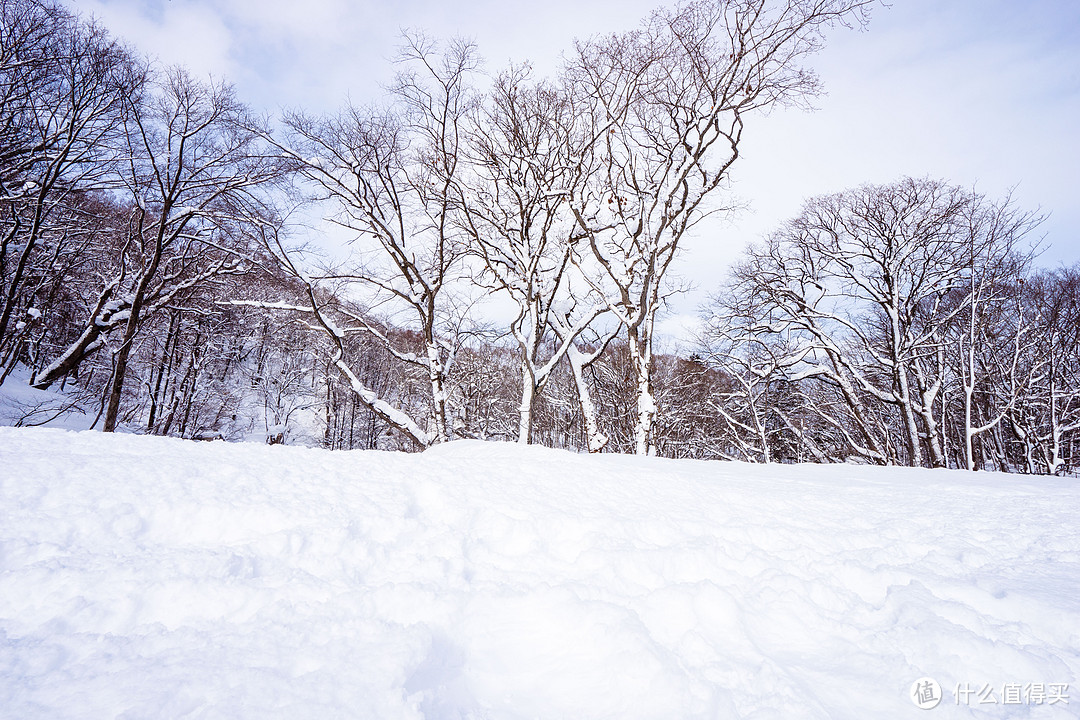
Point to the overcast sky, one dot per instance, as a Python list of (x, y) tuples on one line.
[(982, 93)]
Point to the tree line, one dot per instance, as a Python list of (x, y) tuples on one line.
[(153, 266), (901, 324)]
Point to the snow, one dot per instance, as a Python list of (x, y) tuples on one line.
[(151, 577), (21, 404), (106, 320)]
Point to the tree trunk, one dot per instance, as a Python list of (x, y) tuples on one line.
[(117, 386), (164, 367), (438, 393), (641, 359), (596, 440), (102, 320), (525, 409), (132, 325)]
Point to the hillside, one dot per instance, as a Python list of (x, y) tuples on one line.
[(145, 577)]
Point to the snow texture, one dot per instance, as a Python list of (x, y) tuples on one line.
[(21, 404), (145, 577)]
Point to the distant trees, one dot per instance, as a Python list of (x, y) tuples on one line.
[(148, 265), (128, 191), (863, 279), (193, 172), (1043, 424), (898, 324)]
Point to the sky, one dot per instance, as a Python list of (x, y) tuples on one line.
[(980, 93)]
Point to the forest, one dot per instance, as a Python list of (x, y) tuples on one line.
[(170, 260)]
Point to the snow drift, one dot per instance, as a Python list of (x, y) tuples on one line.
[(146, 577)]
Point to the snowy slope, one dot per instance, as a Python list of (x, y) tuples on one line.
[(147, 577), (25, 406)]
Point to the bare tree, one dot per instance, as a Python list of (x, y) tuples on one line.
[(996, 331), (195, 166), (869, 289), (62, 83), (751, 363), (665, 106), (389, 175), (1046, 420), (525, 153), (580, 356)]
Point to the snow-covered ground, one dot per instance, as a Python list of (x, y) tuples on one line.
[(145, 577), (23, 405)]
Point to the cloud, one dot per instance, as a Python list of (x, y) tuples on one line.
[(181, 33), (294, 22)]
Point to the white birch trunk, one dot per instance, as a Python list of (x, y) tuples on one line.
[(439, 432), (595, 438), (525, 408), (641, 359)]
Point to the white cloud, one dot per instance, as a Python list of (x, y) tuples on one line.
[(182, 33), (311, 20)]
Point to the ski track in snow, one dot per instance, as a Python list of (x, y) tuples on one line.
[(148, 577)]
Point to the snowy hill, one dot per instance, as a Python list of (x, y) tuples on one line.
[(145, 577)]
